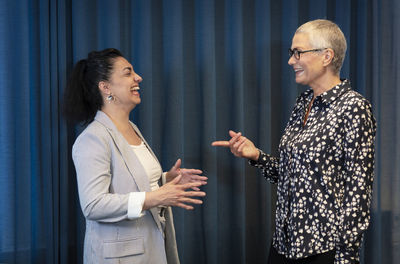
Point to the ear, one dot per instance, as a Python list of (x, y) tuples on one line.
[(103, 87), (328, 56)]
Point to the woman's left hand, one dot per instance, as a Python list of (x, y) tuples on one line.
[(188, 175)]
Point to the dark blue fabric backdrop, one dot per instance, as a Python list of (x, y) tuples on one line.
[(208, 66)]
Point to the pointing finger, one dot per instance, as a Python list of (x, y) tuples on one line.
[(220, 144)]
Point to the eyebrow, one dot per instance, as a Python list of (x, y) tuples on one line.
[(127, 68)]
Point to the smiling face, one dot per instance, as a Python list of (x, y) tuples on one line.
[(310, 67), (124, 83)]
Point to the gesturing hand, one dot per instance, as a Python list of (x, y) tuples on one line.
[(240, 146), (188, 175), (174, 194)]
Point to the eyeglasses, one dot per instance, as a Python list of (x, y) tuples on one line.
[(297, 52)]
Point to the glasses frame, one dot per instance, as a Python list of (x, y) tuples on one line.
[(297, 52)]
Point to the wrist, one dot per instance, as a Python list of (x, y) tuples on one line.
[(168, 177), (256, 155), (151, 200)]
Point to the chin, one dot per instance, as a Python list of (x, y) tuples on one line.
[(301, 81)]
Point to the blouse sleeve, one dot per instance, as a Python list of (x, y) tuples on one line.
[(360, 130), (269, 166)]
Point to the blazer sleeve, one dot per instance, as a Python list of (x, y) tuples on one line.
[(91, 154)]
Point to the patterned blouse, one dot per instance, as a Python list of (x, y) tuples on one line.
[(324, 174)]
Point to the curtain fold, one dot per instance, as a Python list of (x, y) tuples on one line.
[(208, 66)]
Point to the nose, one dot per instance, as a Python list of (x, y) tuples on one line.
[(138, 78), (291, 60)]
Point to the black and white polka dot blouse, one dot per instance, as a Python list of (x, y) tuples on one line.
[(324, 174)]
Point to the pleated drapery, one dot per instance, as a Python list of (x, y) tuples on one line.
[(208, 66)]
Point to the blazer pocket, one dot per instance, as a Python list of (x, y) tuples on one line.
[(123, 248)]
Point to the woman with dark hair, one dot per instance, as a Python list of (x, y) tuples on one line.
[(324, 171), (124, 195)]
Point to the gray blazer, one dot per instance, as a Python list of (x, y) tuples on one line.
[(107, 171)]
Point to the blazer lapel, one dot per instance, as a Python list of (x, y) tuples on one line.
[(131, 160)]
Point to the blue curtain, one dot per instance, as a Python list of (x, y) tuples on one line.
[(208, 66)]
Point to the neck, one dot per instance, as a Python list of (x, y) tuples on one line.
[(324, 83), (118, 115)]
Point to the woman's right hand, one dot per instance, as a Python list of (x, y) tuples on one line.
[(240, 146), (174, 194)]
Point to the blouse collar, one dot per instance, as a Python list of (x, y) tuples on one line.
[(330, 95)]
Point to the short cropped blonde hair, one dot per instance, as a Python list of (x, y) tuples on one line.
[(326, 34)]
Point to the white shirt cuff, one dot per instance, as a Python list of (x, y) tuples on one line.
[(164, 178), (135, 204)]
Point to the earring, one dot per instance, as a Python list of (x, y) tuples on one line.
[(110, 98)]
